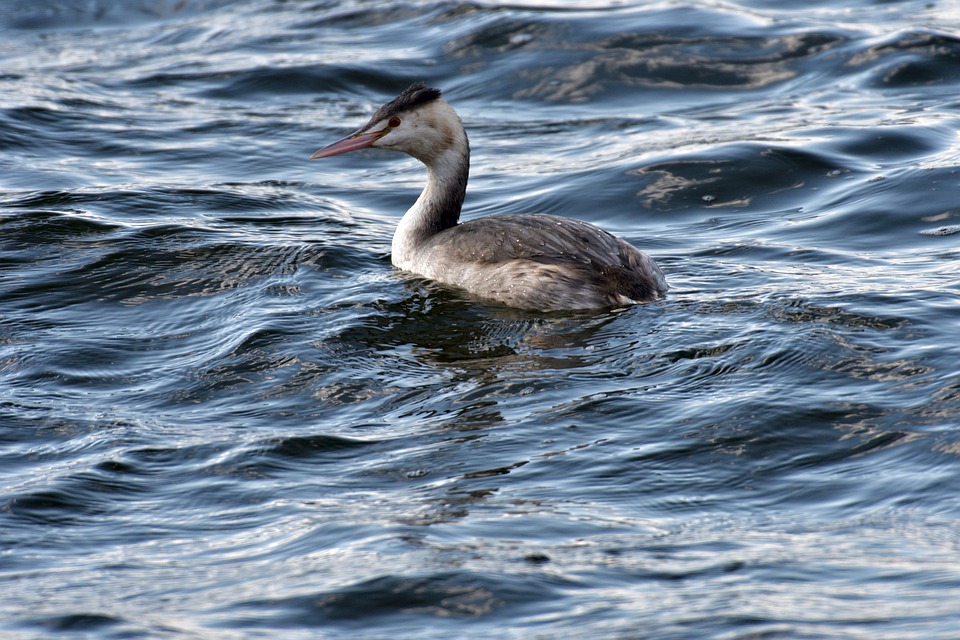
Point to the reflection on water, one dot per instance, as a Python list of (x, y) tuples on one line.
[(657, 61)]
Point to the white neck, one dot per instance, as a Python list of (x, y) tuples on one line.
[(438, 206)]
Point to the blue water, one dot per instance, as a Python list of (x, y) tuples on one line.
[(223, 414)]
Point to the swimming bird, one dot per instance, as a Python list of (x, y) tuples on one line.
[(533, 261)]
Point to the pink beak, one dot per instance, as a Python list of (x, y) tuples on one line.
[(351, 143)]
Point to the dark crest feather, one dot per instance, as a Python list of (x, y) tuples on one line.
[(413, 96)]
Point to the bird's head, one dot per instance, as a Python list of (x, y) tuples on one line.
[(417, 122)]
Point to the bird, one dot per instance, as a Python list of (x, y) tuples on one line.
[(533, 261)]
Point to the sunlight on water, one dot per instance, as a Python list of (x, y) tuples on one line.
[(223, 413)]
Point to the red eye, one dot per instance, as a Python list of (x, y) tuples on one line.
[(394, 122)]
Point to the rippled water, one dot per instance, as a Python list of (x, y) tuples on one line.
[(223, 415)]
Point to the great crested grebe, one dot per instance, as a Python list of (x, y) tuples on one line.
[(531, 261)]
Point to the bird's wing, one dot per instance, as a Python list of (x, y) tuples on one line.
[(537, 237)]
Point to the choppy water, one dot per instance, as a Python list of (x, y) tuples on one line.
[(222, 415)]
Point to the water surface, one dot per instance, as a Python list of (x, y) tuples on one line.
[(223, 414)]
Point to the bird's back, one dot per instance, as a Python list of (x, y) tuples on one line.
[(541, 262)]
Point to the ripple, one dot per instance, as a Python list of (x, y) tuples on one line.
[(441, 596), (80, 622), (222, 412), (913, 59)]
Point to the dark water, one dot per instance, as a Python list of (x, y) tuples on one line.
[(222, 415)]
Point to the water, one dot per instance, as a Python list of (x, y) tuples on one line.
[(222, 415)]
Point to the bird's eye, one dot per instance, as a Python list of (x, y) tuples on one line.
[(394, 122)]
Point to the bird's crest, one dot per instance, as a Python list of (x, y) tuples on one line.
[(413, 96)]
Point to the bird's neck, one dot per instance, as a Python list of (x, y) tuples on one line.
[(438, 207)]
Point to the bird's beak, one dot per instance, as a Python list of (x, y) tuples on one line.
[(352, 142)]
